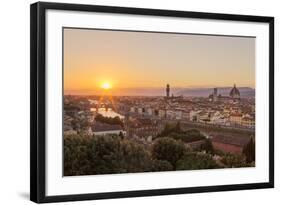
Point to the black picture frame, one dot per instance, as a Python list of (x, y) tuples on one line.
[(38, 101)]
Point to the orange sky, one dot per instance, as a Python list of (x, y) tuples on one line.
[(144, 60)]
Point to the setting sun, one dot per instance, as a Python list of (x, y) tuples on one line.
[(106, 85)]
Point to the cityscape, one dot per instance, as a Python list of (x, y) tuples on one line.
[(147, 128)]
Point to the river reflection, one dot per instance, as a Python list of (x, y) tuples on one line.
[(107, 112)]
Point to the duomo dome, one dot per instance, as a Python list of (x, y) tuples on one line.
[(234, 93)]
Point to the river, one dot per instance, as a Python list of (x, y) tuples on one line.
[(107, 112)]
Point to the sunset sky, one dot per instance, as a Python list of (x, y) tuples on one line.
[(96, 59)]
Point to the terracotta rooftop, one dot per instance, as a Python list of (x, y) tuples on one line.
[(236, 115), (100, 127)]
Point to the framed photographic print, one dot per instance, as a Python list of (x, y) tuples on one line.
[(129, 102)]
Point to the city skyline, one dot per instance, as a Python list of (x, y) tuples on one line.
[(138, 102), (161, 91), (125, 60)]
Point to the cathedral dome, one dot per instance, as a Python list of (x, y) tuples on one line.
[(234, 93)]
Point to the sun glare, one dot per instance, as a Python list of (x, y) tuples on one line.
[(106, 85)]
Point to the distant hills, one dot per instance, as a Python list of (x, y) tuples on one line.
[(187, 92), (204, 92)]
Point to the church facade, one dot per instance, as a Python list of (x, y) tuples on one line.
[(234, 94)]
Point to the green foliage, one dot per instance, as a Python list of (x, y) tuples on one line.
[(193, 161), (70, 109), (79, 124), (177, 128), (166, 131), (249, 151), (121, 135), (233, 160), (105, 155), (247, 159), (135, 158), (76, 155), (208, 146), (109, 120), (169, 128), (90, 155), (177, 133), (168, 149), (161, 165)]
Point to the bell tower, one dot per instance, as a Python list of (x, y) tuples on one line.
[(168, 91)]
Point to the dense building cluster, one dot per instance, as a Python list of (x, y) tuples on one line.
[(142, 118), (219, 110)]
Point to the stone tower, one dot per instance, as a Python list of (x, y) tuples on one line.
[(168, 91)]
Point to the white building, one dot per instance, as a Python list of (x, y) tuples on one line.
[(110, 132), (162, 113), (178, 114), (105, 129), (133, 109), (193, 115), (217, 118), (149, 111), (139, 110)]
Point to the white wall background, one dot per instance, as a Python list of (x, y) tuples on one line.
[(14, 100)]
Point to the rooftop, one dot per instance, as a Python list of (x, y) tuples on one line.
[(100, 127), (233, 140)]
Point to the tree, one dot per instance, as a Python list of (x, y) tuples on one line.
[(161, 165), (233, 160), (177, 128), (121, 135), (109, 120), (135, 158), (166, 130), (208, 146), (168, 149), (193, 161), (249, 151), (105, 155), (76, 155), (175, 132)]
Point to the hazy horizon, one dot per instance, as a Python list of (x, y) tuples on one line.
[(142, 60), (161, 91)]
